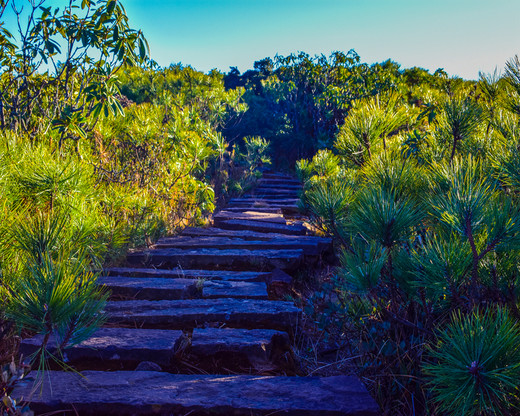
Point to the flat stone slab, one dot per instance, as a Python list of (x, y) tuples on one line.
[(323, 242), (295, 229), (150, 392), (281, 242), (287, 209), (266, 189), (250, 215), (254, 343), (177, 273), (279, 182), (259, 209), (215, 258), (271, 197), (150, 288), (240, 290), (185, 314), (286, 201), (116, 344), (279, 185), (280, 176)]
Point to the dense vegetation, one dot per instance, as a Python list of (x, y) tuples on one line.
[(100, 151), (416, 176), (419, 190)]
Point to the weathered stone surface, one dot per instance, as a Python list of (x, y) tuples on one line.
[(215, 258), (324, 243), (177, 273), (287, 209), (253, 343), (279, 176), (286, 201), (150, 288), (250, 215), (271, 197), (116, 344), (148, 366), (279, 182), (280, 185), (279, 284), (281, 242), (295, 229), (145, 393), (240, 290), (184, 314), (275, 193), (266, 189), (259, 209)]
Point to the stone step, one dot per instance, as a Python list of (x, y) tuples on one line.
[(124, 348), (279, 176), (151, 288), (324, 243), (260, 209), (254, 342), (279, 185), (115, 348), (278, 182), (185, 314), (264, 201), (280, 242), (287, 209), (271, 196), (292, 229), (230, 259), (277, 190), (158, 288), (158, 393), (212, 289), (250, 215), (178, 273), (241, 349)]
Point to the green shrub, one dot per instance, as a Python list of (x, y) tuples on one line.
[(474, 366)]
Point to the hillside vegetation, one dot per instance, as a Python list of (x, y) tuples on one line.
[(417, 182), (416, 176)]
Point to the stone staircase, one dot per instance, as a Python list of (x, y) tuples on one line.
[(197, 325)]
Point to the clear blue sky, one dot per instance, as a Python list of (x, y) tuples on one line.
[(461, 36)]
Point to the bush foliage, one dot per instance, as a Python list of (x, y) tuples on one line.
[(416, 176), (100, 151), (419, 192)]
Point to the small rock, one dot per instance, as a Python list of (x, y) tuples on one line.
[(148, 366)]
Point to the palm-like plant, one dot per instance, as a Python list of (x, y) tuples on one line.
[(256, 152)]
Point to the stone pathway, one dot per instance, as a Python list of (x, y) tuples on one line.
[(197, 325)]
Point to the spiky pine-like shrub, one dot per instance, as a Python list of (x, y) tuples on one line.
[(474, 366), (48, 286)]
